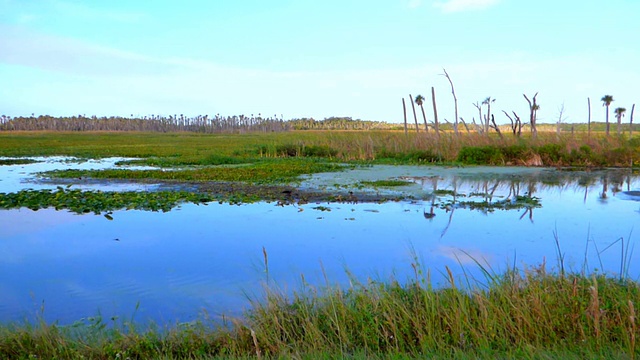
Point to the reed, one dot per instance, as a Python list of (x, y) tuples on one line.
[(521, 313)]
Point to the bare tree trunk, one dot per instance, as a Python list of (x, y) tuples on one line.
[(516, 126), (465, 125), (478, 106), (413, 106), (631, 120), (404, 110), (435, 111), (619, 125), (607, 120), (426, 126), (533, 107), (495, 127), (455, 103), (561, 110), (589, 119)]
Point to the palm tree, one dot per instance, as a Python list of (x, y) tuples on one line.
[(420, 100), (488, 102), (619, 114), (606, 101)]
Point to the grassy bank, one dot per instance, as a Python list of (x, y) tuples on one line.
[(519, 314), (179, 149)]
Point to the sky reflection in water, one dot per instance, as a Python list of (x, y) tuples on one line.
[(198, 258)]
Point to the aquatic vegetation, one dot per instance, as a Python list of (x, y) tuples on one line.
[(17, 161), (99, 202), (386, 183), (264, 172), (518, 202)]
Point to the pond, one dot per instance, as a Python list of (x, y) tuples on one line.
[(206, 260)]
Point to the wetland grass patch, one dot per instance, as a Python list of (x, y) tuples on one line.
[(179, 149)]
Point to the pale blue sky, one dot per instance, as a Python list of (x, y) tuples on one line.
[(304, 58)]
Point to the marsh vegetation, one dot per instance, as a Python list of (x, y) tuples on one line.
[(528, 311)]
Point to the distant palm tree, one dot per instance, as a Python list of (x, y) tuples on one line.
[(488, 102), (606, 101), (619, 114), (420, 100)]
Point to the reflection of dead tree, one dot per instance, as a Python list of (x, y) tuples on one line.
[(429, 215), (586, 192), (434, 187), (514, 190), (453, 207), (605, 184), (528, 210)]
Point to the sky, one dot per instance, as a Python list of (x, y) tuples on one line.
[(312, 58)]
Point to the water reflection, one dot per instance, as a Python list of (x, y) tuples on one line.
[(14, 178), (192, 259)]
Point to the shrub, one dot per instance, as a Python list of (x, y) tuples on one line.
[(551, 153), (481, 155), (418, 156)]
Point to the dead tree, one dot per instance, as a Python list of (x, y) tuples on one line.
[(488, 102), (413, 106), (435, 112), (516, 125), (465, 125), (589, 119), (560, 119), (455, 103), (479, 107), (631, 120), (404, 110), (533, 109), (478, 128), (495, 127)]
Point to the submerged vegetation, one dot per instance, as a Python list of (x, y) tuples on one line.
[(526, 313)]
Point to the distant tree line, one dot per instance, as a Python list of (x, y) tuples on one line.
[(340, 123), (153, 123)]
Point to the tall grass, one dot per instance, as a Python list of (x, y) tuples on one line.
[(387, 146), (523, 313)]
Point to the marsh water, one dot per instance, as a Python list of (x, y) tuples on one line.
[(202, 261)]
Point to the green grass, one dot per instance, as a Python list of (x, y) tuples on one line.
[(529, 313)]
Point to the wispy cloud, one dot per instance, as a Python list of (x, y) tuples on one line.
[(414, 4), (451, 6), (81, 10), (27, 48)]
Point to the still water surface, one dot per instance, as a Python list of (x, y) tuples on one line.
[(208, 259)]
